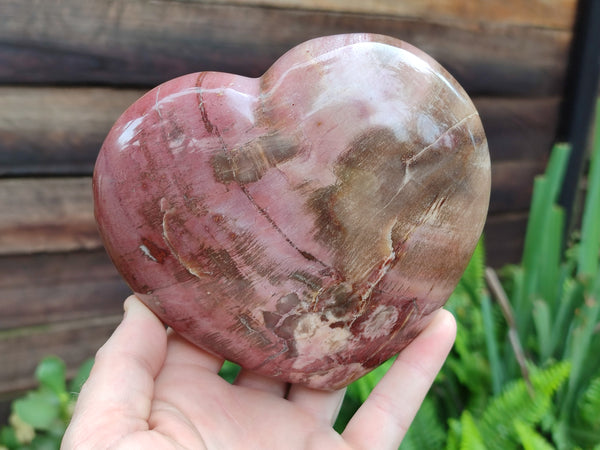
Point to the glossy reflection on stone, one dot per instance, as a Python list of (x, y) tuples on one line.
[(304, 224)]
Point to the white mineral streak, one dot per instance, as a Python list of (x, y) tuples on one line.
[(167, 210), (147, 253), (315, 338), (381, 322), (129, 132)]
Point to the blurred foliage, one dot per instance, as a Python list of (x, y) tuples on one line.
[(39, 419)]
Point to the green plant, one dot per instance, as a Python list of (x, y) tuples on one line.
[(39, 419)]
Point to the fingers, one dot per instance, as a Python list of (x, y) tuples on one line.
[(116, 398), (382, 421), (253, 380), (323, 405), (181, 352)]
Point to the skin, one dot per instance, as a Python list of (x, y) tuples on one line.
[(150, 388)]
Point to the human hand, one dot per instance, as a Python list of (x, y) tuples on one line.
[(151, 389)]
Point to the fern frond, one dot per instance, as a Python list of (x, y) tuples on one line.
[(470, 438), (531, 439), (473, 279), (590, 404), (426, 430), (516, 403), (361, 388)]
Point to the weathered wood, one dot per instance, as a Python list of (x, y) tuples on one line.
[(519, 128), (512, 184), (54, 287), (59, 131), (539, 13), (136, 42), (45, 215), (504, 237), (23, 348), (56, 130)]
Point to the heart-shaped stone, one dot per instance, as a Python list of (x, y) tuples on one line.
[(304, 224)]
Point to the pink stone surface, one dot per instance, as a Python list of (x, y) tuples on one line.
[(304, 224)]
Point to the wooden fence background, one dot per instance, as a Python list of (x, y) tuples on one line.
[(68, 68)]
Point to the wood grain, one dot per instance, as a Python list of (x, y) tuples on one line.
[(56, 130), (504, 236), (539, 13), (135, 42), (46, 215), (59, 131), (54, 287), (512, 185), (23, 348)]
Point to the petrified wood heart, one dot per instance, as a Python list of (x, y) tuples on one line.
[(304, 224)]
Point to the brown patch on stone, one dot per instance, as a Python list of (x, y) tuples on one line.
[(153, 251), (271, 319), (203, 114), (322, 203), (286, 303), (248, 163), (251, 328), (223, 262), (385, 189), (312, 282), (284, 329)]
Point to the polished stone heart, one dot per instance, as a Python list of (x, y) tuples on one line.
[(304, 224)]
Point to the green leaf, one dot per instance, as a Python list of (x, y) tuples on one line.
[(426, 430), (531, 439), (572, 298), (470, 437), (579, 353), (46, 442), (545, 192), (362, 387), (590, 228), (497, 372), (543, 326), (38, 408), (549, 263), (8, 437), (83, 372), (51, 373), (229, 371), (590, 404), (516, 403), (473, 278)]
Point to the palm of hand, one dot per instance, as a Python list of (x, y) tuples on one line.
[(152, 389)]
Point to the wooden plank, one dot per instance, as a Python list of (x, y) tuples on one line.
[(136, 42), (539, 13), (519, 128), (58, 131), (53, 287), (504, 237), (46, 215), (22, 349), (512, 185)]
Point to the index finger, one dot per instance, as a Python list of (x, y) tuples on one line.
[(383, 419), (116, 398)]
